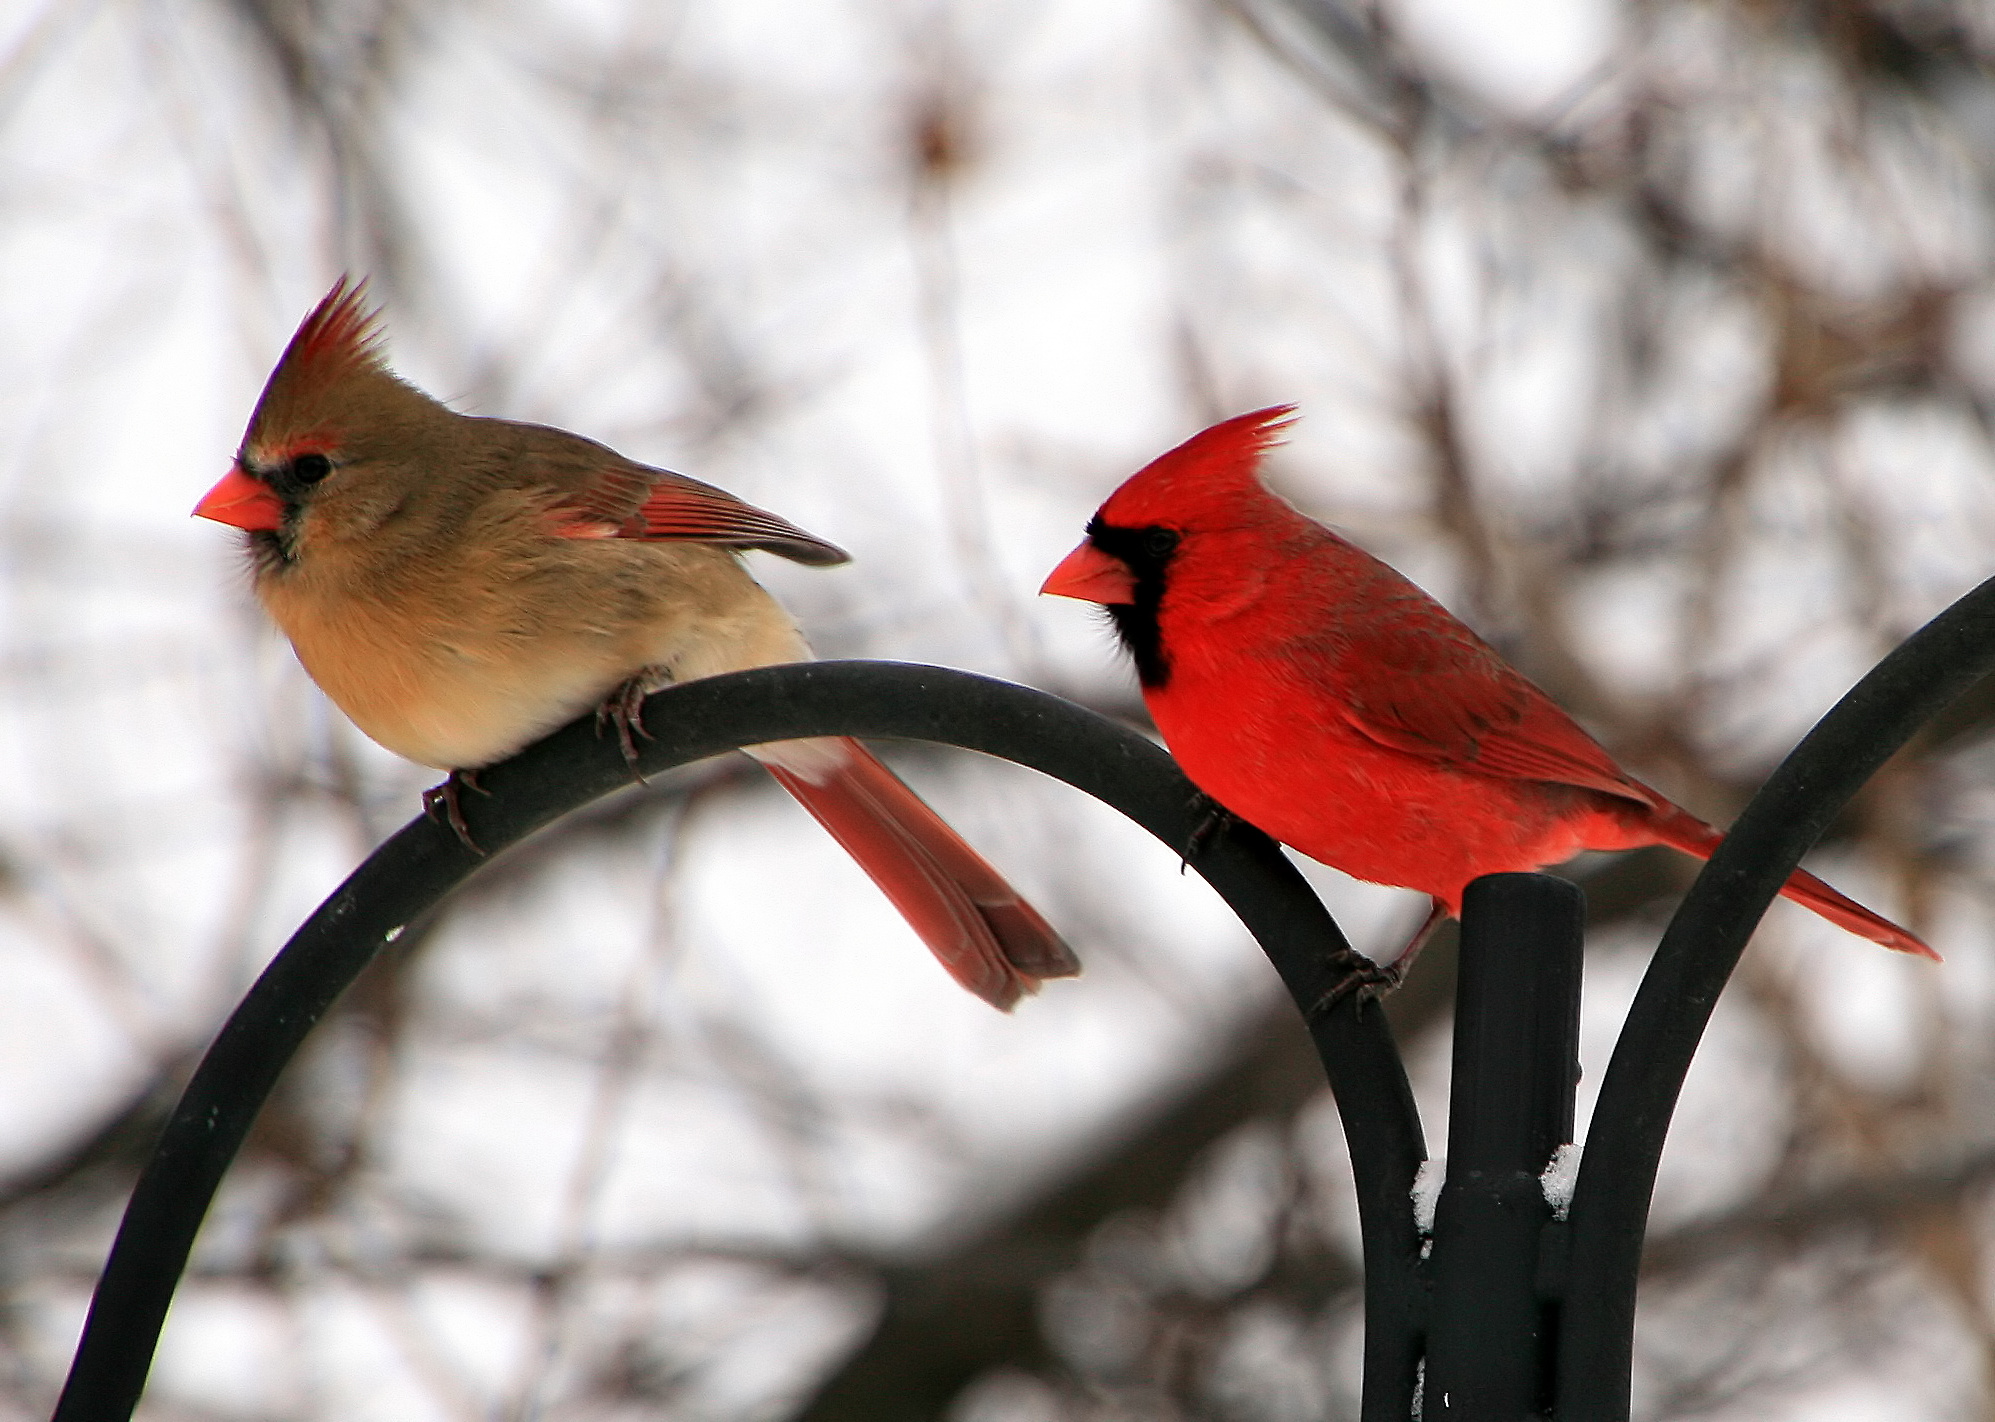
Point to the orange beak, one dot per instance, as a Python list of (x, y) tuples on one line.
[(1092, 576), (243, 502)]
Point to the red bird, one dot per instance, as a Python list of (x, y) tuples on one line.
[(460, 587), (1314, 692)]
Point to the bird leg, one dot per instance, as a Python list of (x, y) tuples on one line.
[(624, 709), (441, 803), (1436, 916), (1373, 980), (1214, 820)]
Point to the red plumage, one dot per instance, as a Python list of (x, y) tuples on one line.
[(1315, 692)]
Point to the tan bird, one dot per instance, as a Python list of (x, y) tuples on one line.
[(461, 586)]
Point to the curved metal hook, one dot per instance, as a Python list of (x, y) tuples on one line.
[(414, 870), (1638, 1094)]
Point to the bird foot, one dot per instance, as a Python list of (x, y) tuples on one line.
[(624, 709), (1214, 820), (442, 804), (1371, 981)]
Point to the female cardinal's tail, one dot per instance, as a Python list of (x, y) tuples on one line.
[(991, 941), (1679, 829)]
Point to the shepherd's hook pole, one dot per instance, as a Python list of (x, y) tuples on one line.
[(1494, 1322)]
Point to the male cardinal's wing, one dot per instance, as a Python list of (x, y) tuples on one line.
[(604, 495), (978, 927), (1437, 691)]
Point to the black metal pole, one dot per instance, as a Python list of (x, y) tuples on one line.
[(1516, 1065)]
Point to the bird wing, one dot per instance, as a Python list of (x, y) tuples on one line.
[(676, 508), (603, 495), (1452, 700)]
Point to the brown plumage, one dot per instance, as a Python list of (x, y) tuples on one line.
[(462, 586)]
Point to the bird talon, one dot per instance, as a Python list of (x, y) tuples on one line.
[(441, 803), (1369, 980), (624, 708), (1214, 820)]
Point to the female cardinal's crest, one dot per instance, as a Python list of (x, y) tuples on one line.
[(1211, 470), (340, 335), (339, 340)]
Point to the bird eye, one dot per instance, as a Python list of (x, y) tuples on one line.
[(310, 468), (1159, 542)]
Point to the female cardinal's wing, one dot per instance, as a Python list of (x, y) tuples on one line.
[(603, 495), (1438, 692)]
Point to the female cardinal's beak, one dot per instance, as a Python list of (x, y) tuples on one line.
[(242, 501), (1092, 576)]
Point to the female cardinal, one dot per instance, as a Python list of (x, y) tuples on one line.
[(1314, 692), (460, 587)]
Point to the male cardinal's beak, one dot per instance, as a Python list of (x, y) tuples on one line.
[(1092, 576), (244, 502)]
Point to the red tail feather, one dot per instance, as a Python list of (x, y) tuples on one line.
[(1683, 830), (988, 938)]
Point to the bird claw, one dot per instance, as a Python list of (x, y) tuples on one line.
[(1371, 981), (1214, 820), (441, 803), (624, 709)]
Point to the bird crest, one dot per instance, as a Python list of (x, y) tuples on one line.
[(1208, 472), (339, 340)]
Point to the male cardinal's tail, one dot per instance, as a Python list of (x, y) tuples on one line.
[(1683, 830), (992, 941)]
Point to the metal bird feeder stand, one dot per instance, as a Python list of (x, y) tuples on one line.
[(1509, 1314)]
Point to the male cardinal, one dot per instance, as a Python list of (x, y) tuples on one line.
[(460, 587), (1314, 692)]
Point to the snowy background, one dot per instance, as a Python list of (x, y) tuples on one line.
[(1658, 339)]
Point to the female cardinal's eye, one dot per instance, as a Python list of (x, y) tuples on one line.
[(310, 468), (1159, 542)]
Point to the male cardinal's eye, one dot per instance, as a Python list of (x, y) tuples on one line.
[(310, 468), (1159, 542)]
